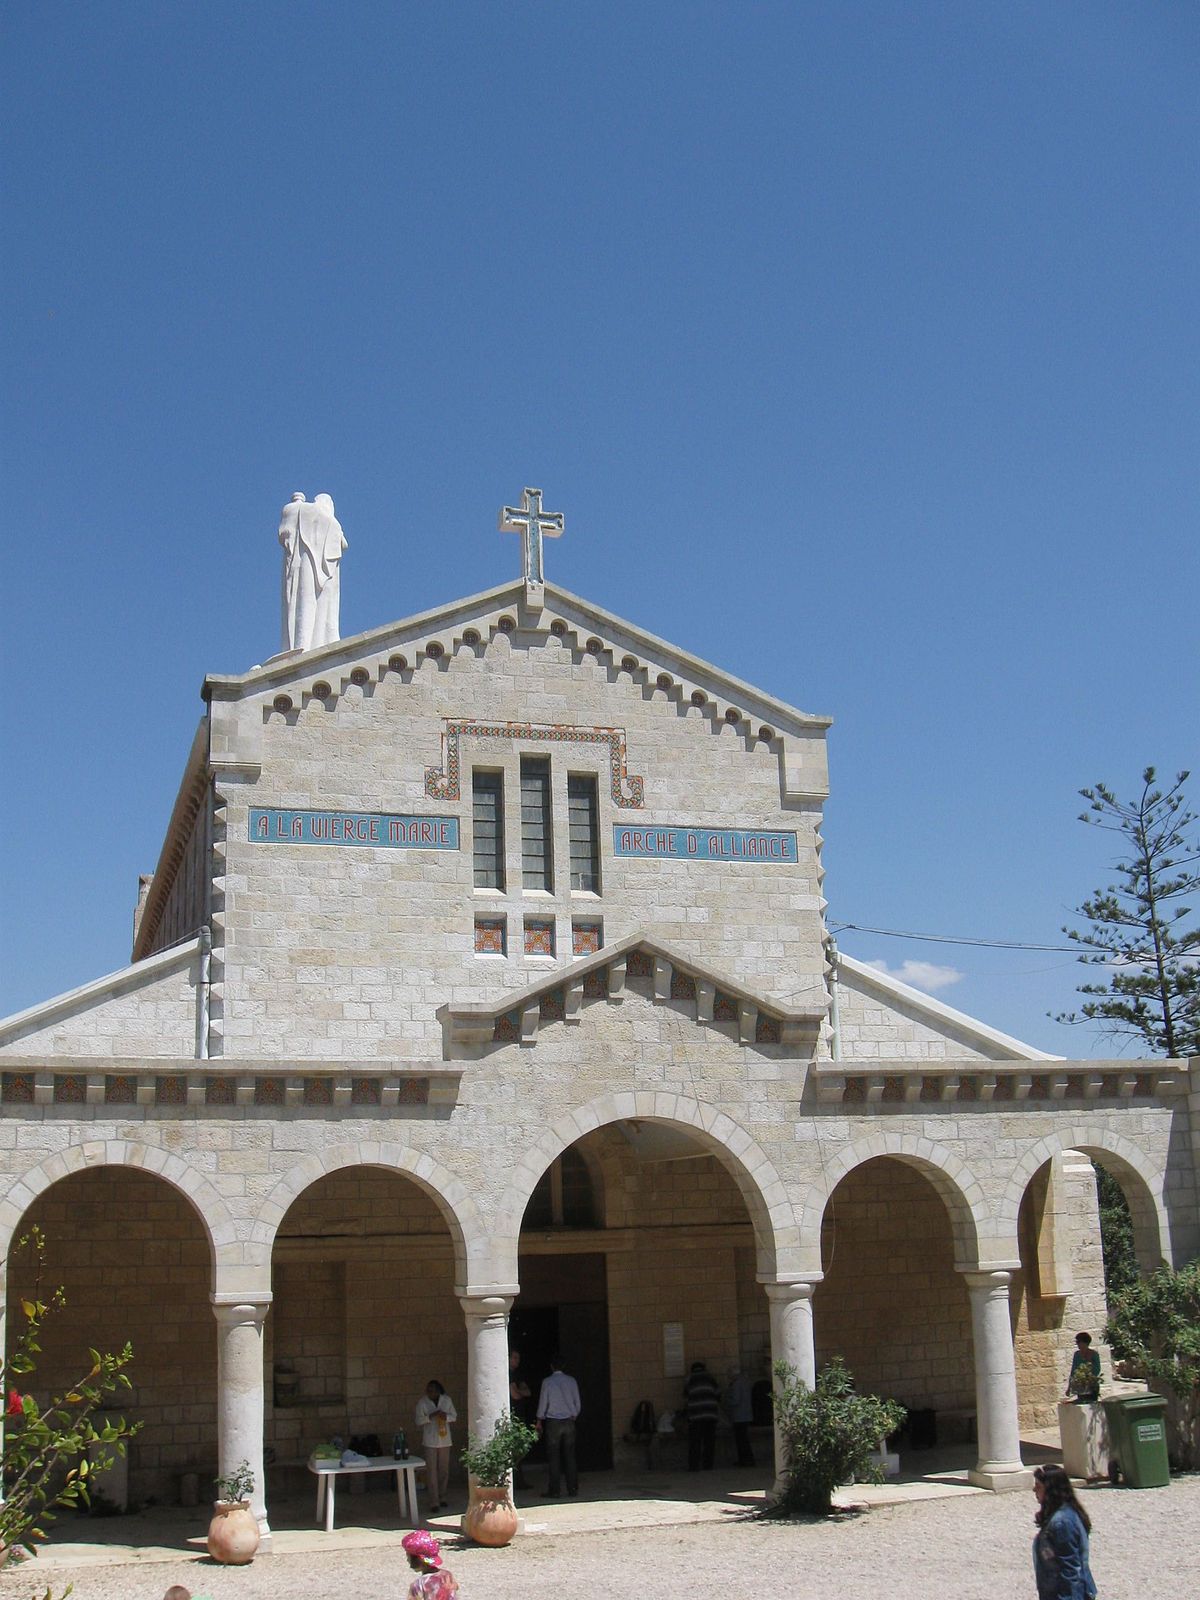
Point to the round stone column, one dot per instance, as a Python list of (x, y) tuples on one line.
[(240, 1392), (487, 1360), (999, 1465), (791, 1308)]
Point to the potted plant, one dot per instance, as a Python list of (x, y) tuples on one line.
[(491, 1517), (233, 1533)]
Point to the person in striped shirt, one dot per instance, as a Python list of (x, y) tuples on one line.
[(702, 1400)]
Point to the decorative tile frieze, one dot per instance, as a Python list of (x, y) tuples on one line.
[(120, 1090), (171, 1091), (70, 1089), (586, 938), (318, 1091), (445, 782), (18, 1088), (414, 1092), (220, 1092)]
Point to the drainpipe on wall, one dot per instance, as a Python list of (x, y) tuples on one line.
[(835, 1010), (203, 997)]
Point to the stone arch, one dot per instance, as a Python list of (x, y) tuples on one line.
[(766, 1198), (209, 1206), (1141, 1179), (472, 1244), (959, 1189)]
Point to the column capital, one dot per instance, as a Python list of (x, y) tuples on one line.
[(987, 1280), (793, 1289), (488, 1303), (232, 1310)]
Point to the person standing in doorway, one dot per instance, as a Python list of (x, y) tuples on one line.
[(739, 1404), (1083, 1383), (435, 1413), (702, 1401), (557, 1410)]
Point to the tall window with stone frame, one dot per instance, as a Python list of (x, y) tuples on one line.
[(487, 828), (583, 831), (564, 1196), (537, 852)]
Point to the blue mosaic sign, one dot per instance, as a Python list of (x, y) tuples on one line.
[(378, 830), (706, 844)]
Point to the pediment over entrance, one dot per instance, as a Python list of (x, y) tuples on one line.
[(514, 1018)]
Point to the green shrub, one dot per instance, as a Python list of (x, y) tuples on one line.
[(490, 1461), (1154, 1329), (828, 1435), (41, 1440)]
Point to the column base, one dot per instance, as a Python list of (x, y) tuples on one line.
[(1000, 1476)]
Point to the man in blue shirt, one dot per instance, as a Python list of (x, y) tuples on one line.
[(558, 1407)]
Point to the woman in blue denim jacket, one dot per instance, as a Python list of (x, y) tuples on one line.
[(1060, 1551)]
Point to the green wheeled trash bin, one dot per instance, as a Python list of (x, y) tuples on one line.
[(1137, 1431)]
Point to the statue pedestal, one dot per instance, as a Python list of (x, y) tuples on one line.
[(1083, 1430)]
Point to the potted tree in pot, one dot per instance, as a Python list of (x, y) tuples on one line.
[(491, 1517), (233, 1532)]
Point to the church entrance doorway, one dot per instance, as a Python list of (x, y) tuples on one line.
[(638, 1258), (563, 1308)]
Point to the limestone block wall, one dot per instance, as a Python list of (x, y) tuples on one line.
[(133, 1257), (875, 1025), (328, 950), (668, 1280), (151, 1014)]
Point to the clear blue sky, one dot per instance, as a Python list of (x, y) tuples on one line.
[(857, 341)]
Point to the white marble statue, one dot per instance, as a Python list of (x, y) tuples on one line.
[(313, 542)]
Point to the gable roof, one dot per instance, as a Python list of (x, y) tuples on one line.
[(938, 1014), (577, 624), (759, 1019), (125, 981)]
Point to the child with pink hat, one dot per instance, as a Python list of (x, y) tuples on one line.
[(433, 1581)]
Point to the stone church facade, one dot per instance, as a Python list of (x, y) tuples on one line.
[(484, 977)]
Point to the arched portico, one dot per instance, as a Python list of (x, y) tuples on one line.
[(1141, 1178), (694, 1230), (771, 1212), (128, 1242), (954, 1246)]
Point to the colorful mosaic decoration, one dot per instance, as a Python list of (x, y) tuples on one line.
[(220, 1092), (364, 1092), (70, 1089), (539, 937), (444, 782), (552, 1007), (369, 829), (171, 1091), (707, 844), (414, 1092), (507, 1029), (268, 1091), (586, 938), (120, 1091), (318, 1091), (490, 937), (18, 1088)]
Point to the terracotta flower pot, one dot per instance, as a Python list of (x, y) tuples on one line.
[(233, 1533), (491, 1517)]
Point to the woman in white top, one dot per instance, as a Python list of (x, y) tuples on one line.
[(435, 1413)]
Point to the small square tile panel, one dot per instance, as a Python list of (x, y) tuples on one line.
[(586, 938), (539, 936), (490, 937)]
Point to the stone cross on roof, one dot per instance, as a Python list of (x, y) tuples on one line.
[(533, 524)]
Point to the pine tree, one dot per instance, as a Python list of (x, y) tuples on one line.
[(1137, 931)]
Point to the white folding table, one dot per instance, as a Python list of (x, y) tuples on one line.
[(328, 1472)]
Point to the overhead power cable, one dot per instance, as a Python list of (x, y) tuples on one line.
[(950, 938)]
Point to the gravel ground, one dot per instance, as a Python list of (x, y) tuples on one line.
[(975, 1548)]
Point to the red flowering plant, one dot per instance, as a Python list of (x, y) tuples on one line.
[(51, 1449)]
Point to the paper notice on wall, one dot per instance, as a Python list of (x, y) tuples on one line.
[(672, 1349)]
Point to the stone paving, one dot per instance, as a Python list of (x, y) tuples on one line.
[(972, 1547)]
